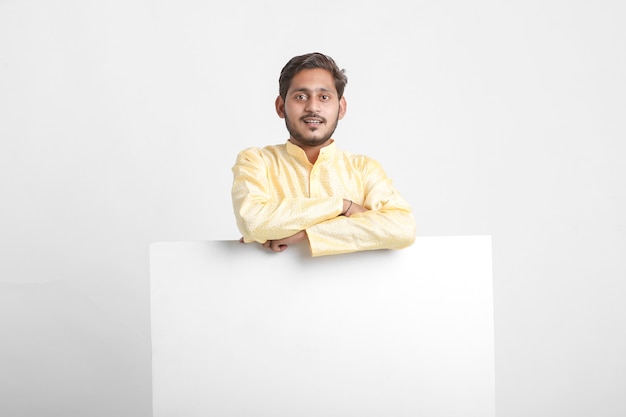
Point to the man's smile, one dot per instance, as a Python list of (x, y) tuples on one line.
[(313, 121)]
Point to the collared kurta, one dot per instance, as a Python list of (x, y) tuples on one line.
[(277, 192)]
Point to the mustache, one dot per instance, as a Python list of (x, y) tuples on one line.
[(313, 116)]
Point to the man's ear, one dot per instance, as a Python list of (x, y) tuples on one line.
[(280, 107), (343, 106)]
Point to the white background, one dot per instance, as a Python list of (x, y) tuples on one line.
[(120, 121)]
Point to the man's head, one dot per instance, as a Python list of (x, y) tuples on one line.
[(311, 98), (311, 61)]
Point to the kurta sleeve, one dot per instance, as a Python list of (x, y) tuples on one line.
[(261, 213), (388, 223)]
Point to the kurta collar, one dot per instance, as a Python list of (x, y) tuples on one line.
[(325, 153)]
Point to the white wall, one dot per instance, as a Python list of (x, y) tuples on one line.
[(120, 120)]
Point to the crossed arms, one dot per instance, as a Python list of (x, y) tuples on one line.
[(364, 213)]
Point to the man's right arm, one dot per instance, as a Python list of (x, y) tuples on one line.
[(262, 217)]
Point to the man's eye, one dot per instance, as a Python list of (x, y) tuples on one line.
[(325, 97), (301, 97)]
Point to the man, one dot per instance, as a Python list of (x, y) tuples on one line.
[(308, 190)]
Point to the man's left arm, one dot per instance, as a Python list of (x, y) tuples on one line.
[(385, 221)]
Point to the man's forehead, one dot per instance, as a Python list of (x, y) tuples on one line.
[(315, 79)]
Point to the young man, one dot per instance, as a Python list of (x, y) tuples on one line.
[(308, 190)]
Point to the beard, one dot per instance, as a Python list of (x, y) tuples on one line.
[(304, 135)]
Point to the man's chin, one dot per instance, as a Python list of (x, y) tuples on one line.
[(309, 140), (312, 141)]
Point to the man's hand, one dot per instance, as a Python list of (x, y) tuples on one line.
[(280, 245), (350, 207)]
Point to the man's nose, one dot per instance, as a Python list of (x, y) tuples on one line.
[(312, 105)]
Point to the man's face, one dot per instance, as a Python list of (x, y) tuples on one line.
[(311, 108)]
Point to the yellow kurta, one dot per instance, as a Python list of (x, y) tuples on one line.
[(277, 192)]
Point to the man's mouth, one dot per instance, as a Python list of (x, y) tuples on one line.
[(313, 121)]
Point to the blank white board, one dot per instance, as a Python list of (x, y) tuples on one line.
[(241, 331)]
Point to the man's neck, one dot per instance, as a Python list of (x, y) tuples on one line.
[(312, 152)]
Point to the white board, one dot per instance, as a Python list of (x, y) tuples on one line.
[(241, 331)]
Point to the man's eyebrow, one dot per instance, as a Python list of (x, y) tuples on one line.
[(308, 90)]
